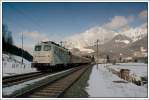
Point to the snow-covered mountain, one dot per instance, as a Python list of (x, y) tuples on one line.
[(137, 45), (123, 45), (136, 33), (119, 41), (89, 37)]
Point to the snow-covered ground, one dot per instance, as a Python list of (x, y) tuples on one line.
[(12, 65), (139, 69), (100, 84)]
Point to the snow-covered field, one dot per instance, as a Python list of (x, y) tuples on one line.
[(100, 84), (12, 65), (139, 69)]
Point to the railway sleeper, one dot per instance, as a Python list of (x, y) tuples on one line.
[(47, 94), (37, 96), (48, 91), (59, 86), (51, 94)]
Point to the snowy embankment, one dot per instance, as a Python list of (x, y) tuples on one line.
[(103, 83), (12, 65), (139, 69)]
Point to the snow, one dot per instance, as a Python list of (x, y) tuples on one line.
[(100, 84), (139, 69), (12, 65), (11, 89), (124, 41), (86, 50)]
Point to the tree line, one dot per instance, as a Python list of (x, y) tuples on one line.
[(9, 47)]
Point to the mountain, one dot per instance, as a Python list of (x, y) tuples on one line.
[(140, 47), (121, 45), (119, 41), (136, 46), (136, 33)]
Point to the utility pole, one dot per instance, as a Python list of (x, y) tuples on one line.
[(22, 48), (97, 42), (64, 43), (61, 43)]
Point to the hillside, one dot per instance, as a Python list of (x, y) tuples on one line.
[(12, 49), (140, 43), (121, 44), (9, 47)]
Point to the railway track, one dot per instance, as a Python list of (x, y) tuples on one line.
[(16, 79), (55, 87)]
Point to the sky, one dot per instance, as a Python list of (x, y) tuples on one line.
[(71, 21)]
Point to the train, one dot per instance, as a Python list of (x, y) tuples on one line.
[(50, 56)]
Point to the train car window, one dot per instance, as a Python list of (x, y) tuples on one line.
[(38, 48), (47, 48)]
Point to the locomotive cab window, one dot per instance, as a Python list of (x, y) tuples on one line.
[(38, 48), (47, 48)]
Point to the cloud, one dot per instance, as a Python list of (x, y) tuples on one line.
[(106, 32), (125, 28), (118, 22), (143, 14), (26, 46), (35, 35), (130, 18), (29, 48), (89, 37), (30, 39)]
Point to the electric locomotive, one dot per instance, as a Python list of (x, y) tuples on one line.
[(49, 56)]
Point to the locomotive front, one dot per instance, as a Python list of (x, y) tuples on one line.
[(42, 57)]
